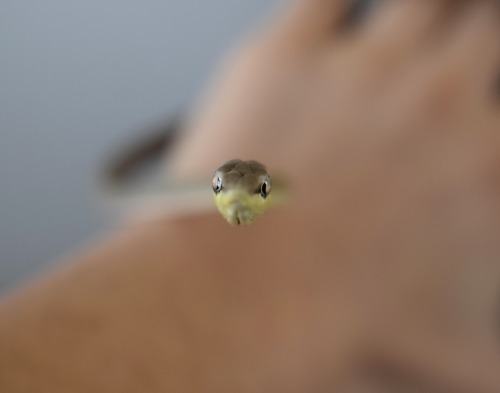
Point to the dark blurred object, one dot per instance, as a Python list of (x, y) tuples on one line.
[(358, 11), (144, 154)]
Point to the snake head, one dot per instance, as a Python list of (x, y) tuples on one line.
[(241, 190)]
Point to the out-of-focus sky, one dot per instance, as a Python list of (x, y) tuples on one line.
[(76, 77)]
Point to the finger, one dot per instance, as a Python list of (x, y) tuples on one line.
[(398, 28), (464, 365), (310, 21), (470, 53)]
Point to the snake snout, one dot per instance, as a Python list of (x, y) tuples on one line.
[(239, 214)]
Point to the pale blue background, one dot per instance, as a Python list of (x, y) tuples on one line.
[(76, 77)]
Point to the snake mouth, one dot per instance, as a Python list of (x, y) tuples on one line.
[(237, 207), (237, 217), (239, 214)]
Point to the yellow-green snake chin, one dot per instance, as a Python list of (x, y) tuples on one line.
[(239, 207)]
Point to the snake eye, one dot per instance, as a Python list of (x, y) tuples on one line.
[(217, 184), (265, 188)]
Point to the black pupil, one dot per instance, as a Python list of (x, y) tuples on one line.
[(264, 189)]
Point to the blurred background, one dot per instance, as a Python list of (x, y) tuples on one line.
[(77, 78)]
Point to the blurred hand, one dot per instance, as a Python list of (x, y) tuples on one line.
[(389, 133), (382, 272)]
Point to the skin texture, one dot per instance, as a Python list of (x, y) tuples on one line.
[(380, 274)]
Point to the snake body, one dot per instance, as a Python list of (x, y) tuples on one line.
[(241, 189)]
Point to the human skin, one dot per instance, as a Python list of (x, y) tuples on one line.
[(385, 256)]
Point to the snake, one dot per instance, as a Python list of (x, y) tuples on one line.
[(242, 190)]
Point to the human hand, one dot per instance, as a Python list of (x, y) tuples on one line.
[(389, 135)]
